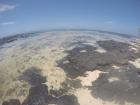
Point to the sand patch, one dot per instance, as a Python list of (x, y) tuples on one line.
[(85, 98), (90, 77), (100, 50), (82, 51), (65, 62), (116, 67), (136, 63), (135, 49), (112, 79), (55, 75)]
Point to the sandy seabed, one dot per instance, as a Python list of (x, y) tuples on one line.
[(43, 52)]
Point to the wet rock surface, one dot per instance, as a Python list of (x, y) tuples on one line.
[(13, 38), (12, 102), (120, 49), (39, 96), (118, 53), (67, 100), (71, 83), (91, 76), (33, 76), (77, 62), (118, 85), (38, 93), (58, 93)]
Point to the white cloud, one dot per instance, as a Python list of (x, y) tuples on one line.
[(6, 7), (7, 23), (108, 22)]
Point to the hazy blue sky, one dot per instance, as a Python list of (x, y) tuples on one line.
[(27, 15)]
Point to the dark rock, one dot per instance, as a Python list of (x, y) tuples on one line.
[(9, 39), (124, 89), (78, 62), (67, 100), (71, 83), (38, 95), (12, 102), (58, 93), (110, 45), (33, 76), (118, 53)]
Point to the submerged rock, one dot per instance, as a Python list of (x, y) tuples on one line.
[(38, 95), (118, 53), (33, 76), (12, 102), (68, 100)]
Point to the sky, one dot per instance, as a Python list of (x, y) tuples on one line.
[(18, 16)]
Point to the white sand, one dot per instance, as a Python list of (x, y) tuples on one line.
[(85, 98), (136, 63), (112, 79), (134, 49), (83, 51), (55, 75), (100, 50), (90, 77), (116, 67)]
